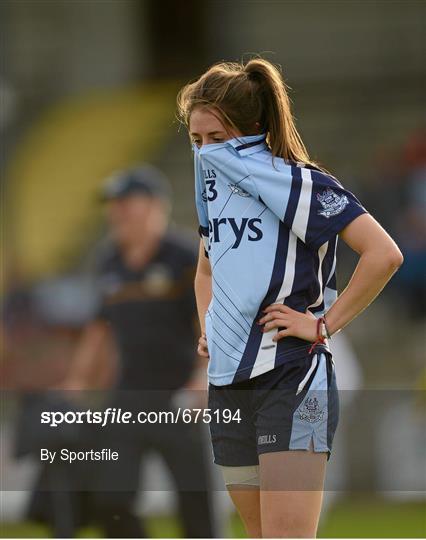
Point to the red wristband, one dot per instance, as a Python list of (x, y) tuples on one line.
[(320, 338)]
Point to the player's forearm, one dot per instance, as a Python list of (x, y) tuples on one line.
[(373, 271), (203, 295)]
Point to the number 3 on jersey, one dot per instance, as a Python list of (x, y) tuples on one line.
[(211, 191)]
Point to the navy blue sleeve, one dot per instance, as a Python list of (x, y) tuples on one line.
[(320, 207), (332, 208)]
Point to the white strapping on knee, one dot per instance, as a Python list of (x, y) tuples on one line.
[(241, 476)]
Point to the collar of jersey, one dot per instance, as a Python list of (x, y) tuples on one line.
[(249, 144)]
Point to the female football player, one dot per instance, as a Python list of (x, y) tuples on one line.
[(266, 292)]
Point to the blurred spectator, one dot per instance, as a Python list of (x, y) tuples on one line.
[(145, 281), (41, 324)]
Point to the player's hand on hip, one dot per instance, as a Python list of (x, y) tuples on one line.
[(289, 322), (202, 346)]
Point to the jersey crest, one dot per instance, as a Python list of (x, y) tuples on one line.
[(332, 203), (238, 191)]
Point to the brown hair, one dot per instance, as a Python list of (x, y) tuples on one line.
[(244, 95)]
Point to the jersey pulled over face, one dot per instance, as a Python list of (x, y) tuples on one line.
[(270, 231)]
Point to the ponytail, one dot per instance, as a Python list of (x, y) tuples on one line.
[(277, 119)]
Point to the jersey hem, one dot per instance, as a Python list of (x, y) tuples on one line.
[(282, 358)]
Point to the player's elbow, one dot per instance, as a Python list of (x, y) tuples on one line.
[(393, 258), (398, 259)]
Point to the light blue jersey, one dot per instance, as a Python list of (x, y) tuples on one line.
[(270, 231)]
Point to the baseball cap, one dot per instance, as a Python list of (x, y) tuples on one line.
[(141, 180)]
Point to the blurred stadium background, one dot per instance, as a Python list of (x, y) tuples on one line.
[(89, 86)]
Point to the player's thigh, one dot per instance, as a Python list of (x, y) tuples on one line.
[(291, 488)]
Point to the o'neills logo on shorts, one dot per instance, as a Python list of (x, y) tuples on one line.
[(266, 439)]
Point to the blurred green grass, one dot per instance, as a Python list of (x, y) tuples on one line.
[(360, 517)]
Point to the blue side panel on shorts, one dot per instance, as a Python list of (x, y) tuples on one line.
[(310, 419), (333, 403)]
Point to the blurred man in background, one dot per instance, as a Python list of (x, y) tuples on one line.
[(145, 281)]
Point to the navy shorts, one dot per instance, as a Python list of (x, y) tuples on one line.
[(295, 406)]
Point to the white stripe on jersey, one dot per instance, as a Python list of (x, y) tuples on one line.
[(300, 222), (321, 254), (265, 359)]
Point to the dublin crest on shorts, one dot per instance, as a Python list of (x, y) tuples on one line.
[(310, 410)]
